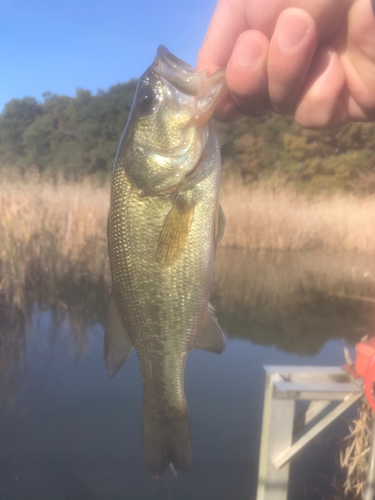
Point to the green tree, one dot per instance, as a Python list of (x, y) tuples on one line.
[(18, 114)]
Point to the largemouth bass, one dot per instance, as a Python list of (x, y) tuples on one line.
[(163, 227)]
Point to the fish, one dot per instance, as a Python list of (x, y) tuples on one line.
[(164, 224)]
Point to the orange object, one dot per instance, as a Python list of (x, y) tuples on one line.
[(365, 350), (364, 367)]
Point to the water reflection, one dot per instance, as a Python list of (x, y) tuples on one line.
[(12, 355), (292, 300), (69, 432)]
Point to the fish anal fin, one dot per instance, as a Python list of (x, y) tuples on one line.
[(211, 338), (117, 345), (174, 234)]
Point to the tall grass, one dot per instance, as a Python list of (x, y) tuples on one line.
[(49, 231), (54, 231), (261, 218)]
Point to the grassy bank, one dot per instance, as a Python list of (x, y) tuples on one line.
[(54, 231), (285, 220), (50, 232)]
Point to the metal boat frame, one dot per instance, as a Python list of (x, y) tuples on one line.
[(321, 385)]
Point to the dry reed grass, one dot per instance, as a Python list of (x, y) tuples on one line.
[(285, 220), (355, 450), (55, 230), (49, 231)]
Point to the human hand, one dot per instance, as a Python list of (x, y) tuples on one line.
[(314, 59)]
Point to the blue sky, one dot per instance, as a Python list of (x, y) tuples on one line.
[(57, 46)]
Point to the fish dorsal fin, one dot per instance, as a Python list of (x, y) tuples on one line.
[(220, 222), (117, 345), (175, 234), (211, 338)]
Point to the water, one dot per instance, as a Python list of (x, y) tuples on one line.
[(67, 431)]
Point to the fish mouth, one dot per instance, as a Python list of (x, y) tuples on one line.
[(209, 91), (177, 72), (163, 56)]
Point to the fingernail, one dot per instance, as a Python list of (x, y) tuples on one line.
[(247, 52), (291, 32)]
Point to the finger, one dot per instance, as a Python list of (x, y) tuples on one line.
[(262, 15), (320, 106), (291, 51), (246, 73), (232, 17), (359, 58), (355, 112), (227, 111), (227, 23)]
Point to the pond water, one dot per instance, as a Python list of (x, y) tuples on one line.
[(67, 431)]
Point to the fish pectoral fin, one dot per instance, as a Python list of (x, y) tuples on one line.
[(175, 234), (117, 345), (211, 338), (220, 222)]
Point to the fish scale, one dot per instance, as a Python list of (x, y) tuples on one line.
[(159, 312), (164, 222)]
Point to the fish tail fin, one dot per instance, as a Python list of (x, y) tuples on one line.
[(166, 443)]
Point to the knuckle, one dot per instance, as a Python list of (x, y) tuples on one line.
[(314, 119)]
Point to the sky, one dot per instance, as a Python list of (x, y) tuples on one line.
[(58, 46)]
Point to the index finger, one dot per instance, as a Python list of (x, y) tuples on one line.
[(227, 23)]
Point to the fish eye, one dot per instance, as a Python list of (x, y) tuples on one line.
[(147, 100)]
